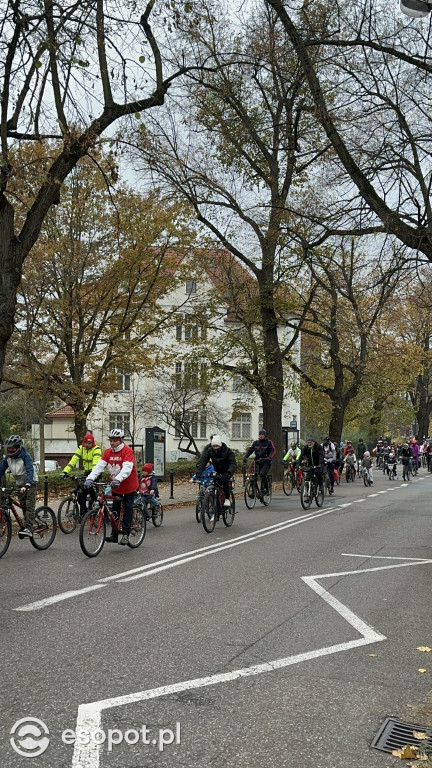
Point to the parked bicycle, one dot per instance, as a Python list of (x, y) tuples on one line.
[(93, 525), (310, 489), (292, 478), (69, 514), (253, 487), (213, 504), (153, 510), (45, 525)]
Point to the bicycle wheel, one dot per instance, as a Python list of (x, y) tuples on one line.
[(138, 527), (45, 528), (267, 497), (68, 514), (306, 495), (250, 493), (92, 532), (319, 496), (228, 513), (209, 515), (157, 516), (353, 475), (366, 479), (287, 483), (5, 531), (198, 508)]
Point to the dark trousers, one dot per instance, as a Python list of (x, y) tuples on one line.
[(128, 510), (330, 470), (263, 470)]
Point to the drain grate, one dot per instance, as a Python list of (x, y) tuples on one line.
[(394, 734)]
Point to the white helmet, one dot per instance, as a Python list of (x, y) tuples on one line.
[(116, 433)]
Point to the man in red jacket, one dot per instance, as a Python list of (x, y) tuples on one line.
[(119, 459)]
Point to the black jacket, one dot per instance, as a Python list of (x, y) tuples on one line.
[(263, 449), (224, 460), (314, 456)]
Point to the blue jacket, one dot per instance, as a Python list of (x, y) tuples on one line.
[(206, 475), (21, 467)]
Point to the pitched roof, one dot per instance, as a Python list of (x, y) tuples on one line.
[(65, 411)]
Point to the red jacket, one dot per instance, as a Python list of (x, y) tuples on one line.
[(118, 465)]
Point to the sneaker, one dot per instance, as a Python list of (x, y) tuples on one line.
[(112, 539), (124, 539), (227, 503), (25, 532)]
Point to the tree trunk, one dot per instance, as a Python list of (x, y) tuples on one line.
[(10, 275), (337, 420), (80, 426)]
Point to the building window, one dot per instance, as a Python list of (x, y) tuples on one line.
[(120, 421), (178, 376), (239, 383), (123, 381), (179, 332), (242, 426), (190, 286), (203, 424)]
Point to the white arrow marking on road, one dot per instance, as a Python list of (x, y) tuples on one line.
[(90, 715)]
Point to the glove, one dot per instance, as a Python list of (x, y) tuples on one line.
[(62, 475), (87, 483), (115, 483)]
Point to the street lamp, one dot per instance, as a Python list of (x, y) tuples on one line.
[(416, 8)]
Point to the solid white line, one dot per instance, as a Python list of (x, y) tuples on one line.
[(57, 598), (370, 570), (221, 547), (348, 504), (271, 528), (387, 557), (357, 501)]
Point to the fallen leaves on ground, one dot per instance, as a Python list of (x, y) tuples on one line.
[(409, 752)]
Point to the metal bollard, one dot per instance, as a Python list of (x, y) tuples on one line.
[(172, 483), (46, 491)]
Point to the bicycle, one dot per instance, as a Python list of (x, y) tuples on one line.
[(364, 474), (199, 501), (292, 478), (153, 512), (93, 525), (254, 491), (310, 489), (213, 504), (69, 514), (350, 473), (45, 524)]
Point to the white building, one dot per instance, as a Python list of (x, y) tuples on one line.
[(232, 408)]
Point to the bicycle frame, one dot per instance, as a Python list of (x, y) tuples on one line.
[(11, 505)]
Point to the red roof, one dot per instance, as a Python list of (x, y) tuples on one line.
[(65, 411)]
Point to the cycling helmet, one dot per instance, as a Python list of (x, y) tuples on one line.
[(116, 433), (293, 444), (366, 455), (13, 445), (326, 439)]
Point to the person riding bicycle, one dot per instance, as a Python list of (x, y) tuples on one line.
[(360, 450), (293, 454), (148, 487), (415, 452), (89, 454), (224, 463), (329, 451), (350, 460), (392, 465), (20, 464), (264, 451), (313, 455), (206, 475), (406, 454), (367, 463), (119, 459)]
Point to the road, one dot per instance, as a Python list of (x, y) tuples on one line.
[(283, 641)]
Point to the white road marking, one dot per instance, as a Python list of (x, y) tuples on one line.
[(57, 598), (357, 501), (348, 504), (89, 715)]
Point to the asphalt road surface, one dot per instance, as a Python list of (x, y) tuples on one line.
[(283, 641)]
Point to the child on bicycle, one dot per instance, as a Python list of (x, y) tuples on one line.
[(148, 487), (351, 461), (392, 465), (206, 475), (20, 464), (367, 463)]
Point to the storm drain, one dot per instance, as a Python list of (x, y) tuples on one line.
[(394, 734)]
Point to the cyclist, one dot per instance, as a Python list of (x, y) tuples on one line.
[(148, 487), (119, 459), (20, 464), (313, 455), (350, 459), (415, 448), (224, 463), (293, 454), (405, 454), (264, 451), (329, 450), (367, 463), (89, 453), (360, 451)]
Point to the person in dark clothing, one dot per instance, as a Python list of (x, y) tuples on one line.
[(313, 455), (224, 463), (264, 451)]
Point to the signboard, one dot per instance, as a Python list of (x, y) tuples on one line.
[(293, 425), (155, 450)]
